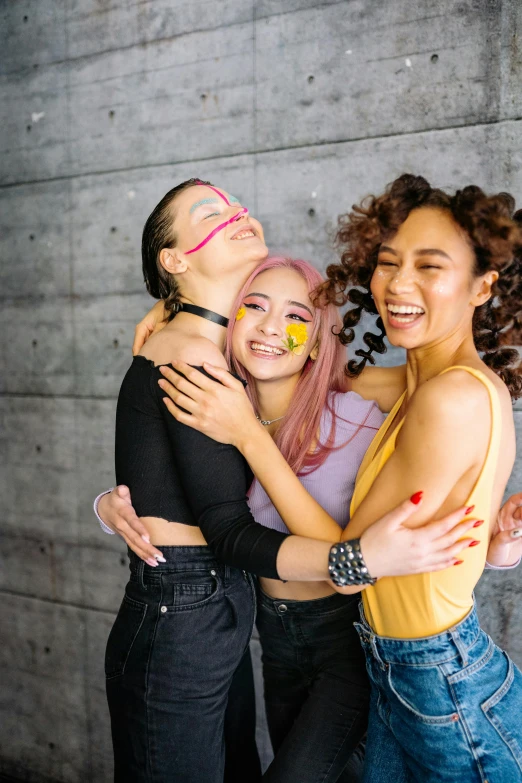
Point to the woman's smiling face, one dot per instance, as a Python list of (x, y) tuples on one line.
[(215, 232), (276, 303), (423, 284)]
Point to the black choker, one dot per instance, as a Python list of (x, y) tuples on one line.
[(210, 315)]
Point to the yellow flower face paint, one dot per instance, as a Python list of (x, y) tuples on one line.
[(297, 338), (240, 313)]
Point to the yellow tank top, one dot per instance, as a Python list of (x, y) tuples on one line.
[(410, 607)]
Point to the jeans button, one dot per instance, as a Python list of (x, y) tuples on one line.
[(213, 573), (282, 608), (163, 609)]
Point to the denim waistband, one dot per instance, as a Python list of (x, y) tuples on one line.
[(308, 607), (427, 650), (179, 558)]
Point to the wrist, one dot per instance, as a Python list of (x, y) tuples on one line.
[(347, 566), (100, 500), (251, 438)]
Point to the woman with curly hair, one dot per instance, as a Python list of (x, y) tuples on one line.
[(444, 275)]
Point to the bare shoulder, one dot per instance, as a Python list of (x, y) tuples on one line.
[(456, 399), (171, 344)]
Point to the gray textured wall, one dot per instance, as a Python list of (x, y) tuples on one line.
[(299, 107)]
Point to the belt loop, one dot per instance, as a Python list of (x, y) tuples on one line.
[(373, 642), (459, 644), (140, 572)]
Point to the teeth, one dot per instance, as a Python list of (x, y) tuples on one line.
[(405, 309), (266, 348), (243, 234)]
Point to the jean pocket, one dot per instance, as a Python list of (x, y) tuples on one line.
[(188, 590), (424, 692), (123, 635), (503, 709)]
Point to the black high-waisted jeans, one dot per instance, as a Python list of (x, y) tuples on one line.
[(316, 688), (178, 672)]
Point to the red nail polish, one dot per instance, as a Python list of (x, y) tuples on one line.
[(469, 510), (458, 562), (416, 498), (478, 523), (474, 543)]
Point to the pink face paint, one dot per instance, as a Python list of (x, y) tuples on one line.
[(213, 233)]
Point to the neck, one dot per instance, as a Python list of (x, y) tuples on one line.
[(274, 398), (425, 363), (216, 298)]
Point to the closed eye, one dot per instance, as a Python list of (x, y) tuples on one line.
[(212, 214), (385, 263)]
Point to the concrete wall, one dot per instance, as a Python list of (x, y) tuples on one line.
[(299, 107)]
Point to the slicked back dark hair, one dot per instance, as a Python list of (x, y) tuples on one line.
[(158, 233)]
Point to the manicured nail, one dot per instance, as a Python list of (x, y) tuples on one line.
[(160, 558), (516, 533), (146, 539), (478, 523), (474, 543), (416, 498), (151, 562), (469, 510), (458, 562)]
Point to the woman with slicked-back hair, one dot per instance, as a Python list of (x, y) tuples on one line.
[(443, 273)]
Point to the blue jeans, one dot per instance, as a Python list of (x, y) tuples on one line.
[(178, 672), (444, 708), (316, 689)]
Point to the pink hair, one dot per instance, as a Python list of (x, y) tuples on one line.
[(297, 434)]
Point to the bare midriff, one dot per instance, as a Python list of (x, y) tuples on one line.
[(163, 533), (295, 591)]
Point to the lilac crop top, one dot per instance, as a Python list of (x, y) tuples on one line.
[(333, 482)]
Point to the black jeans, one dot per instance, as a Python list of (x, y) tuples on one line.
[(179, 676), (316, 688)]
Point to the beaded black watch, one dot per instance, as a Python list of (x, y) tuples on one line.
[(346, 565)]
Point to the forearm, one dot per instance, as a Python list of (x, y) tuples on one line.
[(302, 515), (303, 559)]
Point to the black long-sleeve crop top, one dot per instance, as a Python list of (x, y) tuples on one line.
[(176, 473)]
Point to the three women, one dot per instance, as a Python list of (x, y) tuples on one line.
[(200, 488)]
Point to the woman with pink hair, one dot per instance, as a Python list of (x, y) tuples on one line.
[(316, 694)]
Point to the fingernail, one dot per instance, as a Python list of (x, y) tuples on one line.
[(146, 539), (416, 498), (458, 562), (478, 523), (161, 383), (151, 562), (516, 533), (469, 510), (160, 558), (474, 543)]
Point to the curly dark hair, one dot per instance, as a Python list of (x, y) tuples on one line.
[(494, 232), (157, 234)]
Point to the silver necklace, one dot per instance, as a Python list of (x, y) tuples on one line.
[(266, 422)]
